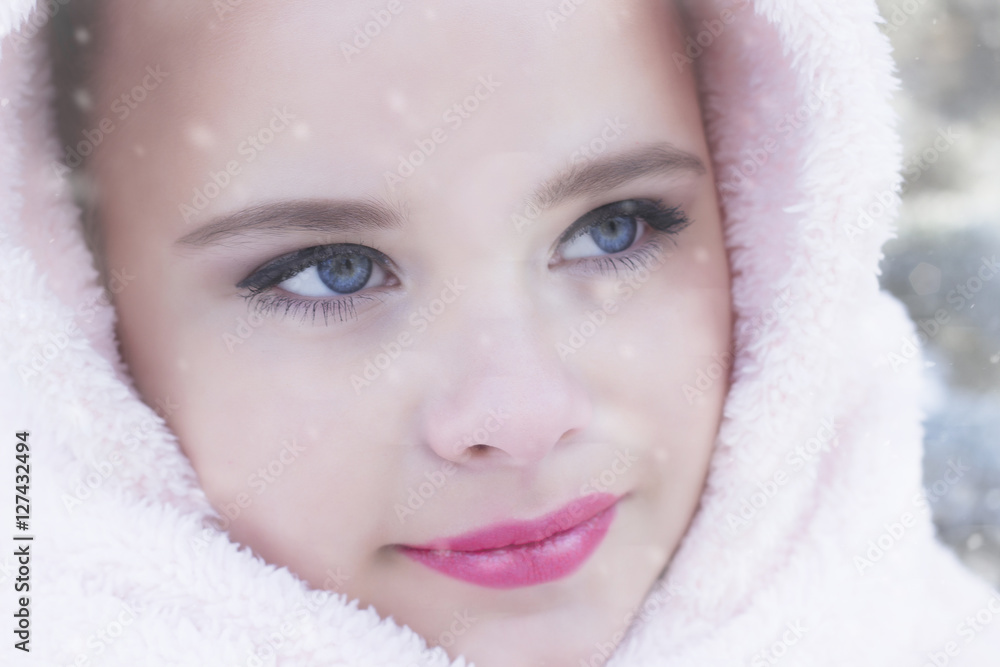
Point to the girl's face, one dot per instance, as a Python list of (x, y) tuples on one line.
[(406, 271)]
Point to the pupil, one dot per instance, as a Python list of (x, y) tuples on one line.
[(345, 273), (615, 234)]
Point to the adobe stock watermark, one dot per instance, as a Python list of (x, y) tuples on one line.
[(121, 108), (625, 288), (301, 618), (454, 117), (773, 654), (661, 594), (267, 647), (754, 159), (708, 376), (711, 30), (825, 441), (244, 329), (916, 165), (913, 168), (335, 580), (365, 34), (894, 532), (722, 362), (419, 320), (106, 635), (298, 623), (42, 13), (580, 509), (900, 14), (460, 624), (761, 323), (968, 629), (100, 472), (417, 497), (562, 12), (611, 132), (964, 293), (54, 343), (259, 481), (248, 149), (623, 461)]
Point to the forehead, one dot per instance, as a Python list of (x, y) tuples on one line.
[(366, 82)]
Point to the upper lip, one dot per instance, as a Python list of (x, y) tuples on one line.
[(512, 533)]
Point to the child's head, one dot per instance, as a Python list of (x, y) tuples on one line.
[(396, 267)]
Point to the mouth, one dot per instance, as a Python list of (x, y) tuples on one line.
[(523, 553)]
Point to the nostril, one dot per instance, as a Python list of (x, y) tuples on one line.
[(470, 452)]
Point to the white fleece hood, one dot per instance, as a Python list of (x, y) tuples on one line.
[(812, 546)]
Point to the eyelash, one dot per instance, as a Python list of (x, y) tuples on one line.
[(663, 222), (266, 302)]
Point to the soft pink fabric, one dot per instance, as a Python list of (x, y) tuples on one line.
[(813, 337)]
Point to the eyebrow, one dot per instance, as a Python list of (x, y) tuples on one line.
[(329, 215), (602, 174), (303, 215)]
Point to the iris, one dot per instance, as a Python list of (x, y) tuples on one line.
[(615, 234), (345, 273)]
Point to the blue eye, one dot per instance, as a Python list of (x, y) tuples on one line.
[(615, 228), (344, 273), (335, 280), (615, 234), (608, 236), (342, 268)]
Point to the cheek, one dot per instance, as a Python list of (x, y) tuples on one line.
[(659, 331), (665, 358), (661, 364), (283, 448)]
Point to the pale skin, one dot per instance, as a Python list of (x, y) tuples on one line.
[(503, 391)]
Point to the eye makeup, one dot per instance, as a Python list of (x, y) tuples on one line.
[(635, 228), (262, 296), (622, 236)]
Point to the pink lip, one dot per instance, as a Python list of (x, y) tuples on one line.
[(523, 553)]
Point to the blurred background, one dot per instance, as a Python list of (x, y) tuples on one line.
[(948, 55)]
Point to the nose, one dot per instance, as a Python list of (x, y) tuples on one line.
[(503, 396)]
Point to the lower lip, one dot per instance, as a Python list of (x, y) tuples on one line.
[(553, 558)]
